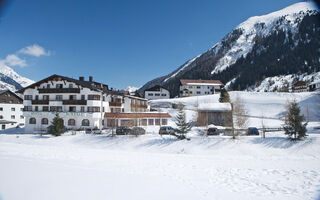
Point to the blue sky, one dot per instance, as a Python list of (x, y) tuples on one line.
[(119, 42)]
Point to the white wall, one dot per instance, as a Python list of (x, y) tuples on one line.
[(6, 114), (162, 94)]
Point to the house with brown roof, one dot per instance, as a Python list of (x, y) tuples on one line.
[(190, 87), (300, 86)]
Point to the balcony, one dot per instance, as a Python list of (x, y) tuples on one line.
[(58, 90), (40, 102), (115, 104), (139, 106), (74, 102)]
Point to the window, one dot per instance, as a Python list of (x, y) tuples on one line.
[(1, 117), (144, 122), (72, 97), (208, 87), (85, 122), (157, 121), (70, 85), (198, 92), (82, 109), (93, 97), (45, 97), (44, 121), (27, 97), (150, 122), (58, 97), (190, 86), (36, 108), (28, 108), (1, 108), (198, 87), (21, 109), (72, 122), (21, 117), (45, 108), (83, 97), (103, 98), (32, 121), (59, 86), (163, 95), (48, 85), (10, 101), (93, 109), (164, 121), (55, 108), (72, 109), (3, 126), (37, 97), (150, 94)]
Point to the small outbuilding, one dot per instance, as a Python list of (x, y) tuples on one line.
[(219, 114)]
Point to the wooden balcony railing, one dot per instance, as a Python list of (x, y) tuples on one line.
[(115, 104), (74, 102), (139, 106), (40, 102), (58, 90)]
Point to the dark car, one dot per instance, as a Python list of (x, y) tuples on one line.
[(138, 131), (123, 131), (253, 131), (213, 131), (166, 130)]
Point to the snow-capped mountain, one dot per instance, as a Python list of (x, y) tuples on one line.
[(268, 44), (9, 79)]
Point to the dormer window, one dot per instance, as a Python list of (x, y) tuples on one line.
[(59, 86)]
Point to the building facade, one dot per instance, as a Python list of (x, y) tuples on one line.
[(81, 104), (300, 86), (157, 92), (314, 86), (199, 87), (11, 110)]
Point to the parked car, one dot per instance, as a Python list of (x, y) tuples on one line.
[(253, 131), (123, 131), (138, 131), (166, 130), (212, 131), (88, 130)]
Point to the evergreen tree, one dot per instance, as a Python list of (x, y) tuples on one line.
[(224, 96), (183, 126), (56, 128), (293, 122)]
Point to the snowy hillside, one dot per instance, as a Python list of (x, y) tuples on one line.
[(268, 107), (9, 79), (278, 36), (280, 83)]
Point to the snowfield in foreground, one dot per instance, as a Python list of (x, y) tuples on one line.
[(150, 167)]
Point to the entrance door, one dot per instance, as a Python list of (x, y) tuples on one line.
[(3, 126)]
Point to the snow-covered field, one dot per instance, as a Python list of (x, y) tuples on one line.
[(150, 167), (81, 166)]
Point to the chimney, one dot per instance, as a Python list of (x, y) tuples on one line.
[(90, 78), (81, 78)]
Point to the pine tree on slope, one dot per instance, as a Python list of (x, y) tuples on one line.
[(224, 96), (293, 122), (56, 128)]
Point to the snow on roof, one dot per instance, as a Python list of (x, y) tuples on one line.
[(315, 82), (215, 106), (200, 82)]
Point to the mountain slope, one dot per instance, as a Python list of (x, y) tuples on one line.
[(278, 43), (9, 79)]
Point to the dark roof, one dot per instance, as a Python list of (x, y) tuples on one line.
[(186, 81), (300, 83), (12, 93), (156, 88), (87, 84)]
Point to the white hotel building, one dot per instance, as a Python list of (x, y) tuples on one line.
[(199, 87), (81, 104)]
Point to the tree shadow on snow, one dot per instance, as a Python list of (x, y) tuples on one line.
[(281, 142)]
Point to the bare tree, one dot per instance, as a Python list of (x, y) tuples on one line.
[(240, 113)]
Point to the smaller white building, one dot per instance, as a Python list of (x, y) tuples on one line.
[(314, 86), (199, 87), (11, 110), (157, 92)]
